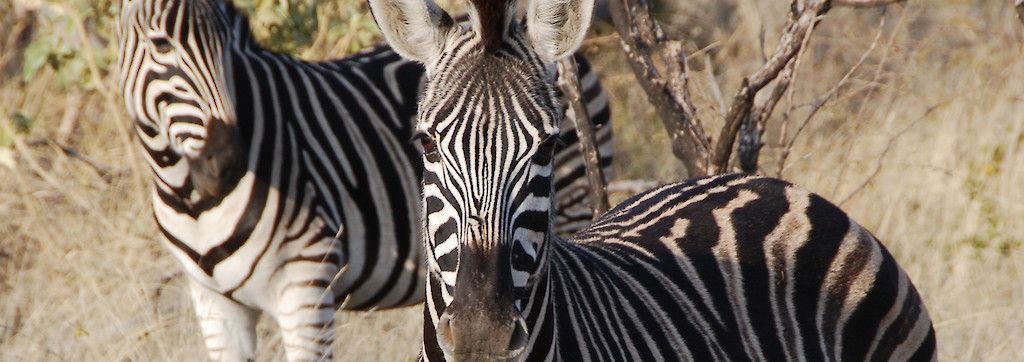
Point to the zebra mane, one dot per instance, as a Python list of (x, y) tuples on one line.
[(238, 29), (490, 19)]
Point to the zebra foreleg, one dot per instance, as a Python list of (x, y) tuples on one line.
[(305, 312), (229, 328)]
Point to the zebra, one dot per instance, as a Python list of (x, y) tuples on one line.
[(724, 268), (258, 159)]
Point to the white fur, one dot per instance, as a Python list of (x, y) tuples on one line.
[(557, 27), (413, 27)]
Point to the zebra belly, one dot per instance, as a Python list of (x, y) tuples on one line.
[(254, 276)]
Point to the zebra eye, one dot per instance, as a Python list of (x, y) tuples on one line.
[(428, 145), (426, 142), (162, 44), (546, 150)]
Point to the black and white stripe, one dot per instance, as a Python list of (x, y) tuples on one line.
[(717, 269), (259, 159), (733, 268)]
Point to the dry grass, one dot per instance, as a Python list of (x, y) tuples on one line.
[(924, 146)]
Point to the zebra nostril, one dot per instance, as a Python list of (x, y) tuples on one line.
[(519, 338), (445, 336)]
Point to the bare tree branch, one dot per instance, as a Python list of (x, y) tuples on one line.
[(790, 44), (1019, 5), (793, 40), (755, 123), (667, 90), (750, 145), (638, 35), (568, 81)]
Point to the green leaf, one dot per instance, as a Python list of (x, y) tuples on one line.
[(36, 55), (22, 123)]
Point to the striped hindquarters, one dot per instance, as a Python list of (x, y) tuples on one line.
[(734, 268)]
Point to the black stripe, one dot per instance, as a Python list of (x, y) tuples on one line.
[(813, 260), (755, 221)]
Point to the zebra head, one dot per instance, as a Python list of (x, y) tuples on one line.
[(172, 61), (488, 123)]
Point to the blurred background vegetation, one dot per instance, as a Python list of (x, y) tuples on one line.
[(923, 144)]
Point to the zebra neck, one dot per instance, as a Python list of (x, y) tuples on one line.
[(537, 307)]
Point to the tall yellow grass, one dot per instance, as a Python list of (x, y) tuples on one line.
[(924, 146)]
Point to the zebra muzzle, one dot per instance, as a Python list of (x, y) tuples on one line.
[(464, 339), (482, 323)]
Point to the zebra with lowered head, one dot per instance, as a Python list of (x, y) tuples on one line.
[(723, 268), (259, 159)]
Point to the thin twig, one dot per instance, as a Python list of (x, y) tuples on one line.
[(103, 171), (888, 146), (69, 121), (754, 125), (716, 89), (13, 328), (568, 81), (892, 140), (828, 96), (22, 148), (113, 110), (703, 52), (760, 42), (862, 109)]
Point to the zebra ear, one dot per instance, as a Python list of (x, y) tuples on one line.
[(415, 29), (557, 27)]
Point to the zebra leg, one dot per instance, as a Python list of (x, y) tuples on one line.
[(229, 328), (305, 312)]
